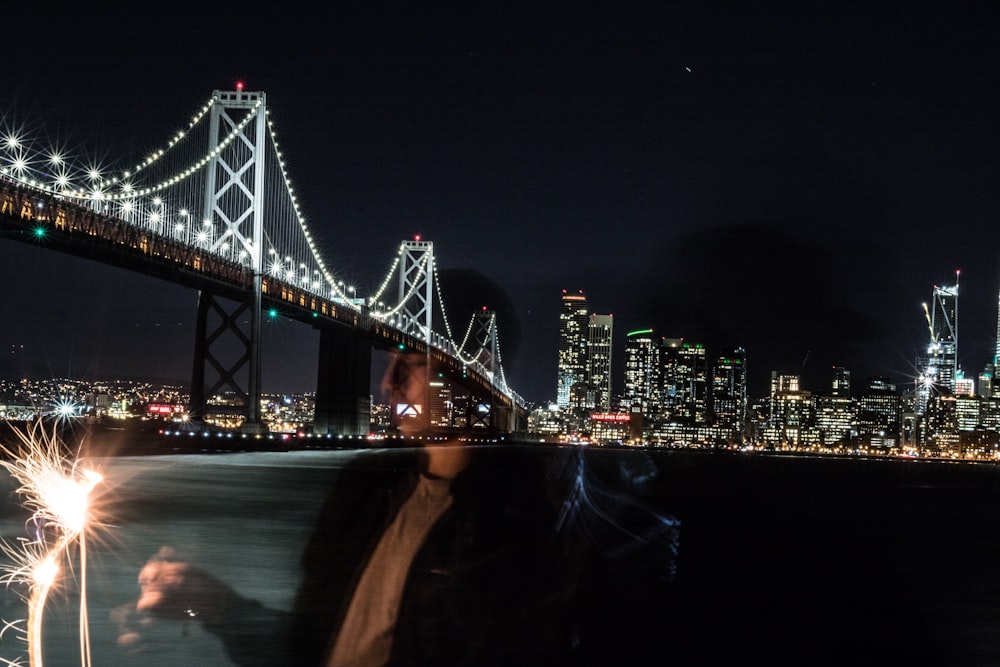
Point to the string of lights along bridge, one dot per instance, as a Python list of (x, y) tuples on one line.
[(214, 209)]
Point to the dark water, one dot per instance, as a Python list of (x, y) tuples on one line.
[(782, 560), (836, 562)]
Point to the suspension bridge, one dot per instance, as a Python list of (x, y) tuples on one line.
[(214, 210)]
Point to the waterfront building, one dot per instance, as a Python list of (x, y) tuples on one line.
[(967, 412), (573, 322), (610, 427), (642, 371), (878, 415), (989, 413), (729, 393), (671, 376), (599, 347), (792, 413), (996, 352), (834, 411), (546, 421), (685, 380), (939, 426)]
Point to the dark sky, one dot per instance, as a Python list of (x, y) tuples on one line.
[(790, 177)]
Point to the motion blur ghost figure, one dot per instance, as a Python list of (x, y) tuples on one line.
[(439, 553)]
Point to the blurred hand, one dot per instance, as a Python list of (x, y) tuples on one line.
[(179, 590)]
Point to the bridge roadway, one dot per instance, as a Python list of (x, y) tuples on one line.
[(38, 217)]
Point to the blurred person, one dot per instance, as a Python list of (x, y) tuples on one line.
[(443, 554)]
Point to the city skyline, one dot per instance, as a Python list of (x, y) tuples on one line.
[(790, 180)]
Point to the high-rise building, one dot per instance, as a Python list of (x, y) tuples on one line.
[(940, 367), (642, 370), (996, 353), (791, 411), (878, 414), (671, 377), (833, 410), (573, 323), (599, 345), (729, 391), (840, 384), (684, 378), (987, 378)]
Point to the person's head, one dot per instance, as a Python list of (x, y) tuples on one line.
[(405, 387)]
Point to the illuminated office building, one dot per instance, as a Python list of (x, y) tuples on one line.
[(599, 345), (987, 378), (996, 353), (879, 414), (642, 370), (967, 412), (729, 390), (671, 378), (684, 381), (573, 332), (840, 384), (833, 410), (791, 411)]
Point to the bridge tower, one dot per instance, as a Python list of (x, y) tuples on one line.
[(415, 317), (234, 198), (484, 337), (416, 272)]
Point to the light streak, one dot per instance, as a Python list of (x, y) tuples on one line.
[(56, 489)]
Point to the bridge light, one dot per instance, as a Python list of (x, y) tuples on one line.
[(39, 232), (401, 347), (272, 313), (239, 86)]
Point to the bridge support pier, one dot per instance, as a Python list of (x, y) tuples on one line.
[(343, 385), (235, 357)]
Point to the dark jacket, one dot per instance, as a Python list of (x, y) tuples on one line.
[(541, 559), (484, 589)]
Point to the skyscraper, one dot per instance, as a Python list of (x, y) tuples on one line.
[(684, 378), (996, 353), (642, 370), (878, 416), (729, 390), (599, 331), (833, 409), (939, 369), (573, 323)]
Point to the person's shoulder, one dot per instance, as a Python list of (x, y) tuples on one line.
[(384, 458)]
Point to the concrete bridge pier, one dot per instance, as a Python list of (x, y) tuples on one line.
[(343, 384)]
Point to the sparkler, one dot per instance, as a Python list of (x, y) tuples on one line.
[(56, 489)]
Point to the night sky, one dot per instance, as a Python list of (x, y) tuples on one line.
[(792, 178)]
